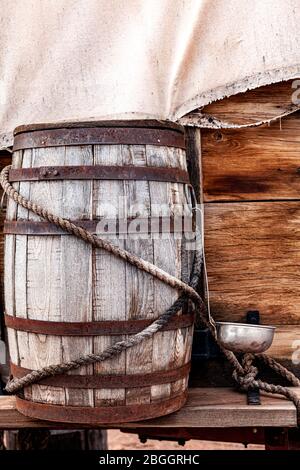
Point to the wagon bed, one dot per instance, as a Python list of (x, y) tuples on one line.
[(205, 408), (210, 414)]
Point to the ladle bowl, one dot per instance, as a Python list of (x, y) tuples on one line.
[(244, 337)]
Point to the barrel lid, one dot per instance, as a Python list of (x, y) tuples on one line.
[(136, 123)]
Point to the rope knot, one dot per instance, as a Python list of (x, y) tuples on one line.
[(246, 376)]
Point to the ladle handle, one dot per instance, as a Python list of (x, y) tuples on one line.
[(253, 396)]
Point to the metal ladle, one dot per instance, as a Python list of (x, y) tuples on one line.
[(245, 338), (250, 337)]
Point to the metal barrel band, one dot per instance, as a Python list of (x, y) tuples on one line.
[(132, 123), (104, 226), (114, 327), (103, 415), (99, 172), (99, 136), (109, 381)]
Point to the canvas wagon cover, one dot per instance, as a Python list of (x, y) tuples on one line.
[(92, 59)]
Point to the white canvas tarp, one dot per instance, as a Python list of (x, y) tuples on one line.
[(92, 59)]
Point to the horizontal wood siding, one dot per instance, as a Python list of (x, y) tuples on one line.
[(251, 190), (257, 163), (253, 260), (263, 103)]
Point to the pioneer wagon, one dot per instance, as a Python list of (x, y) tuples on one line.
[(150, 219)]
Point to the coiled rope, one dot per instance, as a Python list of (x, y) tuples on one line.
[(245, 372)]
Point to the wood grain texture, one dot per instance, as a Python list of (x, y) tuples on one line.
[(258, 163), (263, 103), (5, 159), (139, 285), (253, 259), (286, 345), (206, 407), (9, 268), (251, 188), (21, 274), (76, 272), (109, 292), (43, 279), (166, 199)]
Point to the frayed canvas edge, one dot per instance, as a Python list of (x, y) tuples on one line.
[(225, 91), (203, 99), (210, 122)]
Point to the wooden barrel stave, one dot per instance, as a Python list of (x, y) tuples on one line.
[(120, 291)]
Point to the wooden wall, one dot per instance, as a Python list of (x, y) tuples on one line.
[(261, 104), (251, 191)]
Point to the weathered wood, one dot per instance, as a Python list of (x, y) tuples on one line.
[(109, 275), (43, 280), (286, 346), (63, 279), (263, 103), (5, 159), (252, 254), (21, 244), (139, 285), (258, 163), (87, 439), (9, 269), (251, 189), (194, 159), (76, 272), (206, 407)]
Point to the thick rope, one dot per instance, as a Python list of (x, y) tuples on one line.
[(35, 376), (244, 372), (93, 240), (16, 385)]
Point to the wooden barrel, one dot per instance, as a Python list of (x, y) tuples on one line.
[(65, 298)]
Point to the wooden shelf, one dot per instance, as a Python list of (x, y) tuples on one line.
[(206, 408)]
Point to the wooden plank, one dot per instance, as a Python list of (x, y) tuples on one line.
[(44, 277), (56, 289), (139, 285), (205, 408), (183, 337), (253, 259), (76, 264), (109, 291), (258, 163), (9, 268), (21, 276), (164, 200), (286, 345), (5, 159), (263, 103)]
